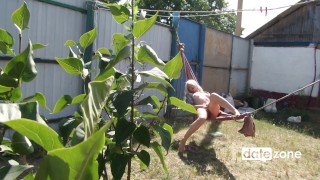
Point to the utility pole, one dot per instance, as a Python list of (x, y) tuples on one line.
[(239, 18)]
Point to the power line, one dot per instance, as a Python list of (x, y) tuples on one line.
[(222, 12)]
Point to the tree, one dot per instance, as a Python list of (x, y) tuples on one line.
[(223, 22)]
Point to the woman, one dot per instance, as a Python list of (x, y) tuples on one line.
[(208, 107)]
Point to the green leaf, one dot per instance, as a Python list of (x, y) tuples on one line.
[(182, 105), (70, 43), (66, 126), (62, 102), (142, 26), (105, 74), (144, 156), (121, 101), (154, 86), (124, 53), (16, 94), (6, 38), (173, 67), (5, 49), (119, 13), (8, 81), (78, 99), (147, 55), (87, 38), (5, 89), (165, 131), (77, 162), (71, 65), (141, 134), (151, 100), (40, 98), (21, 144), (152, 116), (119, 41), (22, 66), (37, 132), (13, 171), (94, 102), (38, 46), (104, 51), (157, 148), (20, 17), (157, 74), (123, 130), (118, 165)]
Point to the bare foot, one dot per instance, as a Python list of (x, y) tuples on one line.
[(182, 145)]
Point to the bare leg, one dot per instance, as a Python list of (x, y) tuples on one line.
[(202, 117), (216, 101)]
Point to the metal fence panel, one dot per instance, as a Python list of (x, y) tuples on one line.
[(239, 67)]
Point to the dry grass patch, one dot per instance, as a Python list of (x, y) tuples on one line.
[(220, 157)]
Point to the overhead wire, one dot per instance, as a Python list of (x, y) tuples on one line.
[(221, 12)]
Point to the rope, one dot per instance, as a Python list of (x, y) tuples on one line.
[(286, 96)]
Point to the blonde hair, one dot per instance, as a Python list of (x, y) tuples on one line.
[(195, 83)]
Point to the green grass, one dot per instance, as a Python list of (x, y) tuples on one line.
[(220, 157)]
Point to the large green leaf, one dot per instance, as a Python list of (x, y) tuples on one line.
[(157, 74), (8, 81), (142, 26), (147, 55), (144, 156), (151, 100), (157, 148), (124, 53), (87, 38), (165, 132), (71, 65), (118, 165), (78, 99), (142, 135), (40, 98), (70, 43), (62, 102), (6, 38), (29, 110), (121, 101), (119, 41), (20, 17), (12, 171), (154, 86), (37, 132), (22, 66), (123, 130), (5, 49), (21, 144), (66, 126), (105, 74), (5, 89), (119, 13), (77, 162), (173, 67), (94, 102), (182, 105)]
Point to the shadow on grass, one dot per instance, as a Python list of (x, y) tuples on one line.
[(206, 162), (202, 157)]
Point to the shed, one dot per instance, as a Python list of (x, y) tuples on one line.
[(299, 25)]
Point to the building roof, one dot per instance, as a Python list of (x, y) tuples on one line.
[(280, 17)]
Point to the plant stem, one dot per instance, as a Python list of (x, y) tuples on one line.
[(20, 42), (132, 87)]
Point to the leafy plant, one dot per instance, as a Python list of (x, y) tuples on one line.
[(89, 141)]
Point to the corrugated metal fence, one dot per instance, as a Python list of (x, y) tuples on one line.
[(53, 23)]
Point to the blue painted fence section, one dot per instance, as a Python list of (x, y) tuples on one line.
[(192, 35)]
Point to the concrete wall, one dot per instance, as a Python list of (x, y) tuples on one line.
[(285, 69)]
